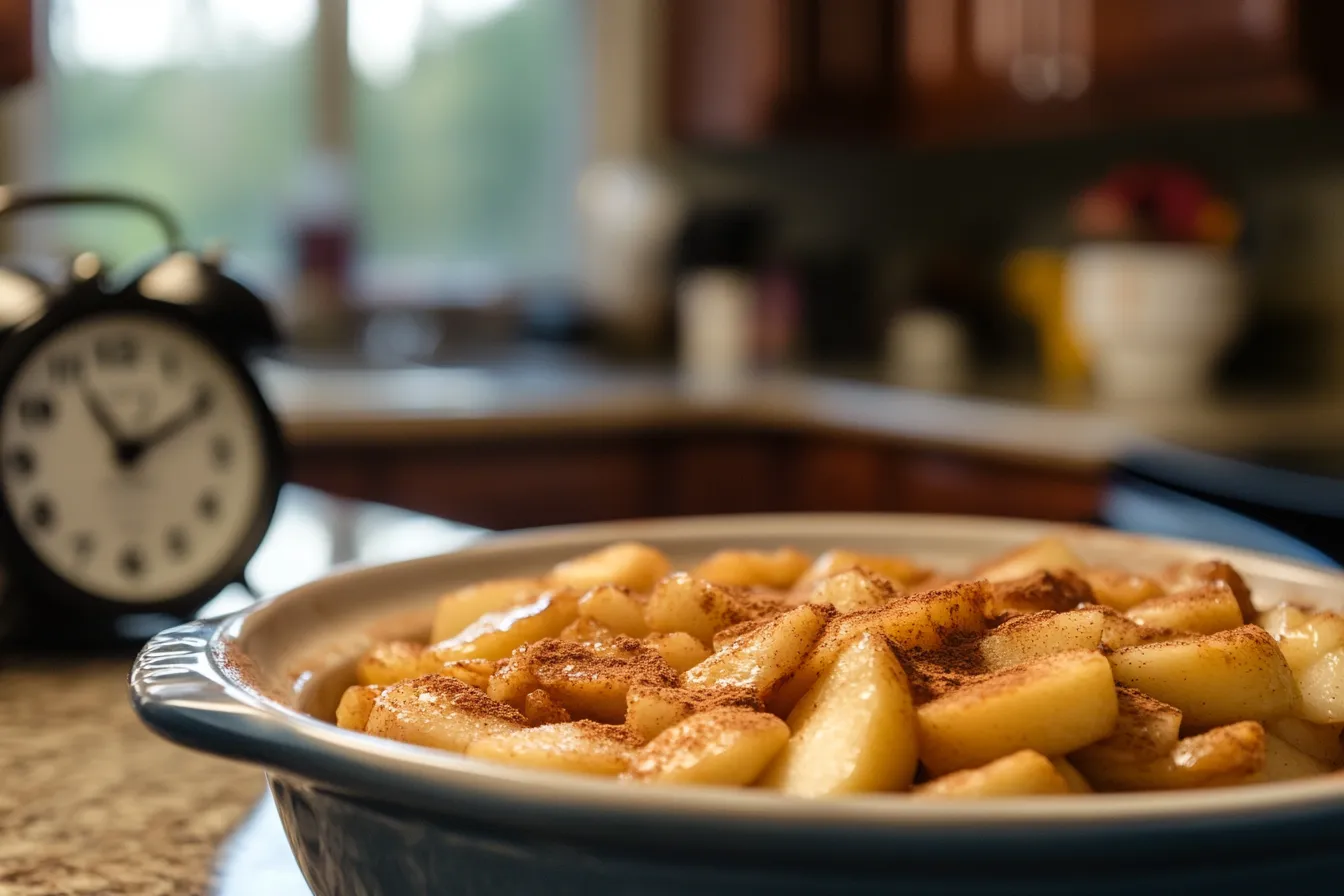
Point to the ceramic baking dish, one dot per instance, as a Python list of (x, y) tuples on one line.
[(370, 816)]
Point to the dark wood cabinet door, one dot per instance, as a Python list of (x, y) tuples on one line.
[(723, 68), (1198, 55), (839, 60)]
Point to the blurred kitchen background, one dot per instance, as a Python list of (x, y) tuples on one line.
[(546, 261)]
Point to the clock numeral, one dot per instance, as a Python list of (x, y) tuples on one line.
[(83, 546), (65, 368), (207, 505), (116, 351), (42, 513), (36, 410), (221, 449), (204, 401), (176, 540), (22, 462), (131, 562)]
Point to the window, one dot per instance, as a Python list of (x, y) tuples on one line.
[(466, 129)]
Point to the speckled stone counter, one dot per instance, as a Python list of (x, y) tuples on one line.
[(91, 802)]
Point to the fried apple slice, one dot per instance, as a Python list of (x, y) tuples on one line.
[(389, 662), (438, 711), (727, 747), (899, 570), (540, 709), (1041, 634), (764, 657), (1119, 631), (1052, 705), (588, 685), (473, 672), (1074, 778), (1024, 773), (678, 649), (1205, 610), (1057, 591), (777, 569), (1323, 742), (916, 621), (628, 564), (1184, 576), (1214, 679), (854, 589), (652, 710), (460, 608), (1045, 555), (1306, 643), (496, 635), (589, 748), (1280, 619), (356, 704), (1119, 589), (1227, 755), (1145, 728), (1284, 762), (1322, 686), (616, 608), (680, 603), (854, 731)]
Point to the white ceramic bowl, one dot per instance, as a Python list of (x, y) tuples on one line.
[(1154, 319), (370, 816)]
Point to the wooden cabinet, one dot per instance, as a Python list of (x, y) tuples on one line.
[(16, 42), (747, 70), (939, 70), (507, 484)]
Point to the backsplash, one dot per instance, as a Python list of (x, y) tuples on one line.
[(901, 207)]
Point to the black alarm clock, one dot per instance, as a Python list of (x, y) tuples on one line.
[(140, 465)]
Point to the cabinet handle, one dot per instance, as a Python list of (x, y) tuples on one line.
[(1033, 72), (1054, 55)]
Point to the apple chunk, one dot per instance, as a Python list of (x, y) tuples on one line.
[(1041, 634), (1215, 679), (1052, 705), (1024, 773), (854, 731), (1231, 754), (916, 621), (438, 711), (727, 747), (628, 564), (586, 747), (765, 656)]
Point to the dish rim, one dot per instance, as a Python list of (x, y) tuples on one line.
[(187, 684)]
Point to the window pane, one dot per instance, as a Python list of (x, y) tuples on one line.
[(203, 105), (469, 131)]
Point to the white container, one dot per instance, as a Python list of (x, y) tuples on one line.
[(1153, 319), (926, 349), (715, 311)]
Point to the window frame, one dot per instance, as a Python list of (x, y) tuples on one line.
[(621, 119)]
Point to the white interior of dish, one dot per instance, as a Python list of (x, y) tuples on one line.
[(302, 645)]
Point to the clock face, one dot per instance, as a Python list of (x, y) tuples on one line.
[(131, 457)]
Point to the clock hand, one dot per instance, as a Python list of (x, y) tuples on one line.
[(101, 416), (130, 450)]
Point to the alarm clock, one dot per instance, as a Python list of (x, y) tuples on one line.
[(140, 465)]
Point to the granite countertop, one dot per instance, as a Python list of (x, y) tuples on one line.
[(351, 406), (93, 803)]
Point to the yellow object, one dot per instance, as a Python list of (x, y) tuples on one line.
[(1035, 282)]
